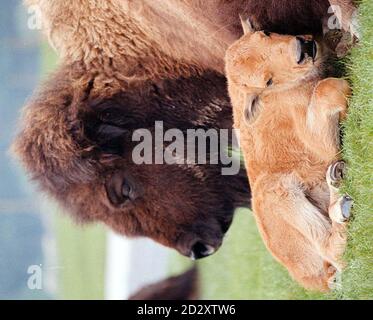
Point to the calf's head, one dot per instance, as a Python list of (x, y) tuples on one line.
[(261, 59), (267, 73)]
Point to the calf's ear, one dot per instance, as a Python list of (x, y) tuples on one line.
[(251, 107), (246, 25)]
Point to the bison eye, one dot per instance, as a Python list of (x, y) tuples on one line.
[(120, 190), (126, 190), (269, 82)]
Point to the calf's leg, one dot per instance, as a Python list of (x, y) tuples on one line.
[(339, 213), (293, 230), (327, 108)]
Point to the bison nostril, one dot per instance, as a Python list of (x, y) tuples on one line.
[(201, 250)]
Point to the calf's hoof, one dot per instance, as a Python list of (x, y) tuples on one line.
[(346, 204), (340, 212)]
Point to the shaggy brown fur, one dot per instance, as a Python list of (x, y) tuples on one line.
[(88, 145), (288, 119), (140, 61), (167, 37)]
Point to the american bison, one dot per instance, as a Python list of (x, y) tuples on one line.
[(125, 65)]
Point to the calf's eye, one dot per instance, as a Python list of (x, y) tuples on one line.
[(269, 82)]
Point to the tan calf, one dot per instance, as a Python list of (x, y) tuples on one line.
[(288, 117)]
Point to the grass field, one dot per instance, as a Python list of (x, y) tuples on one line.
[(357, 280), (243, 269)]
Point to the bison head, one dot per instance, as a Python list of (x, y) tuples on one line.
[(76, 142)]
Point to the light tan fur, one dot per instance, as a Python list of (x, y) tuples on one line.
[(289, 137)]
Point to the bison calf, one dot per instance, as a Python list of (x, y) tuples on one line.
[(288, 116)]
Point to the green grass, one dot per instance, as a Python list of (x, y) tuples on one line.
[(80, 250), (357, 280), (243, 269)]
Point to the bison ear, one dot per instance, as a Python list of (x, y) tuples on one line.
[(246, 25)]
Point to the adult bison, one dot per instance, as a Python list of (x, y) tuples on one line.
[(124, 65)]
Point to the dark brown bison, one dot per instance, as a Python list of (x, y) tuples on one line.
[(125, 65), (78, 146)]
